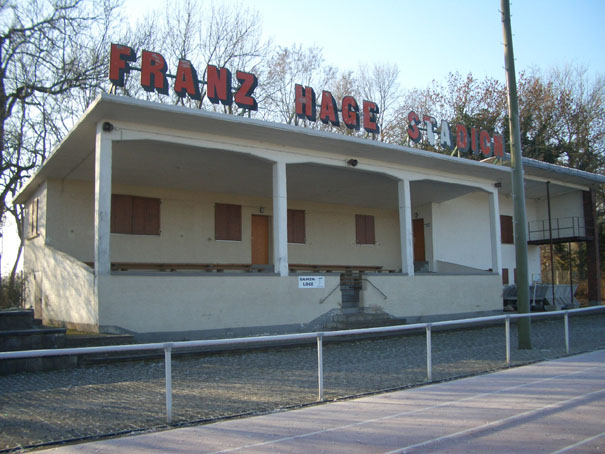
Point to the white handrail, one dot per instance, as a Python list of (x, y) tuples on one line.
[(168, 347)]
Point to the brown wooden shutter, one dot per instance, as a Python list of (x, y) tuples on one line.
[(121, 213), (506, 229), (505, 276), (145, 216), (135, 215), (296, 226), (33, 218), (227, 222), (364, 229)]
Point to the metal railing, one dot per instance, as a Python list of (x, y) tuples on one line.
[(168, 347), (567, 227)]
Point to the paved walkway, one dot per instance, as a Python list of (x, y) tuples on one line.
[(552, 407), (38, 409)]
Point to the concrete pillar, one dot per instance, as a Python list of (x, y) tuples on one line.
[(280, 219), (494, 223), (405, 227), (102, 201)]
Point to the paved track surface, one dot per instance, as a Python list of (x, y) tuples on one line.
[(551, 407)]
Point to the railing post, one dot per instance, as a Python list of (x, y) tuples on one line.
[(168, 370), (429, 356), (566, 324), (320, 368), (507, 331)]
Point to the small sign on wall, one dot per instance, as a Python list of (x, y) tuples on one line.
[(311, 282)]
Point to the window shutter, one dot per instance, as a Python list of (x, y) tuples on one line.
[(145, 216), (364, 229), (121, 213), (227, 222), (296, 226), (32, 218), (505, 276), (135, 215), (506, 230)]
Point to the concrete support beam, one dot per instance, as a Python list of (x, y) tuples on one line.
[(405, 227), (494, 223), (102, 202), (280, 219)]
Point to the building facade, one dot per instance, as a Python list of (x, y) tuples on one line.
[(175, 223)]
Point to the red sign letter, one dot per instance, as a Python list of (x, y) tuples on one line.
[(370, 114), (462, 138), (118, 63), (243, 96), (485, 143), (153, 72), (474, 141), (430, 124), (219, 85), (413, 130), (350, 112), (328, 111), (186, 80), (305, 103), (498, 146)]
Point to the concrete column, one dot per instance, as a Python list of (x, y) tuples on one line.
[(494, 223), (102, 201), (280, 219), (405, 227)]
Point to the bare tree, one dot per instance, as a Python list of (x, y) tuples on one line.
[(380, 85), (49, 52), (287, 67)]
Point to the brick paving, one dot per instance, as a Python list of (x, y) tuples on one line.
[(95, 401)]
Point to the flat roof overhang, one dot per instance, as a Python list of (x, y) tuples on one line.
[(79, 145)]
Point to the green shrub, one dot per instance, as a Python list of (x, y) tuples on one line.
[(12, 294)]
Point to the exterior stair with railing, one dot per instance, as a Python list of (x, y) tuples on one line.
[(351, 315)]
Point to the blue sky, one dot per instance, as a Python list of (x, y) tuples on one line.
[(427, 40)]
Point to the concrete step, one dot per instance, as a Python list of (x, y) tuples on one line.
[(31, 339), (97, 340), (13, 320), (355, 318), (34, 339), (361, 324)]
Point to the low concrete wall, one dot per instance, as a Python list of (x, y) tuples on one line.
[(423, 298), (196, 305), (192, 306), (64, 287)]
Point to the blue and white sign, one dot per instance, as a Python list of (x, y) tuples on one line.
[(311, 282)]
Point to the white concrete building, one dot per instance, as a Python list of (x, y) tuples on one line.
[(170, 222)]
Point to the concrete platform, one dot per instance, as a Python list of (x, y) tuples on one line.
[(550, 407)]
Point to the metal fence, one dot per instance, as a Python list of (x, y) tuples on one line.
[(168, 347), (559, 227)]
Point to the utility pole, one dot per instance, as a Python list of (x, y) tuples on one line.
[(519, 218)]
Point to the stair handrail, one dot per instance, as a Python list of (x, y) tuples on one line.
[(379, 291), (328, 295)]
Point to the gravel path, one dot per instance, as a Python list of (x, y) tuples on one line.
[(50, 407)]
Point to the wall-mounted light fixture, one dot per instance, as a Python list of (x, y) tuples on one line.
[(261, 210), (353, 162), (498, 184)]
